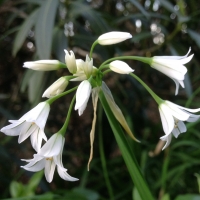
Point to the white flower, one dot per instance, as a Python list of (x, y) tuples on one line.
[(82, 96), (113, 37), (70, 61), (84, 69), (43, 65), (56, 88), (31, 124), (120, 67), (48, 158), (172, 117), (173, 67)]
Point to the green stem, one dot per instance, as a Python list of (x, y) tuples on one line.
[(142, 59), (64, 127), (127, 153), (102, 156), (62, 65), (106, 71), (51, 100), (156, 98), (92, 48)]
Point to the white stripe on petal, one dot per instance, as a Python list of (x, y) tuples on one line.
[(27, 130)]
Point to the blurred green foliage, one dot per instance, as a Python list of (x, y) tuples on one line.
[(41, 29)]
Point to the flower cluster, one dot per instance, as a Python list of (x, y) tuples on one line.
[(49, 155)]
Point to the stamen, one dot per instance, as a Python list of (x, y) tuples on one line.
[(51, 158)]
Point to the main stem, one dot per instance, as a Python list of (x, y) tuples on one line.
[(127, 153)]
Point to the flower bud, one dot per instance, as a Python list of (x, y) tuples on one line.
[(113, 37), (43, 65), (56, 88), (70, 61), (120, 67)]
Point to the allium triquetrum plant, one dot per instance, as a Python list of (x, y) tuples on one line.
[(90, 82)]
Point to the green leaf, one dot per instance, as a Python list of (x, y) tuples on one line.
[(36, 86), (59, 43), (136, 194), (140, 7), (165, 197), (188, 197), (141, 36), (127, 153), (16, 189), (195, 36), (23, 31), (44, 28), (34, 181), (89, 194)]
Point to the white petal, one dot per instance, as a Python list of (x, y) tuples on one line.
[(186, 59), (70, 61), (36, 139), (38, 114), (83, 94), (171, 72), (176, 111), (49, 169), (64, 175), (53, 146), (42, 117), (13, 129), (166, 118), (177, 86), (35, 167), (168, 139), (88, 66), (176, 132), (193, 118), (58, 158), (26, 131), (181, 126), (175, 57)]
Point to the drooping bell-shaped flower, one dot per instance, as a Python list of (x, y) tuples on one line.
[(70, 61), (31, 124), (44, 65), (113, 37), (172, 66), (82, 96), (48, 158), (120, 67), (172, 117), (56, 88)]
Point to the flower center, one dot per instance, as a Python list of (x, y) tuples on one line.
[(51, 158), (176, 123)]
